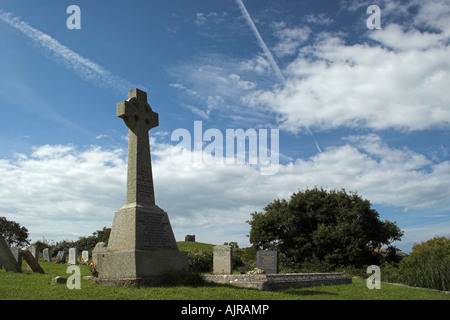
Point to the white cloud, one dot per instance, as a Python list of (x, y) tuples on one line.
[(61, 192), (397, 79), (290, 39), (203, 18), (215, 86), (320, 19), (331, 84)]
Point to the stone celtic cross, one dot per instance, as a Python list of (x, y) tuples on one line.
[(139, 118), (142, 247)]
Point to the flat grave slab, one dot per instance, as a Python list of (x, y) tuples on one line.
[(272, 282)]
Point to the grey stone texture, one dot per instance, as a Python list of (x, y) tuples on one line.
[(223, 259), (31, 261), (60, 257), (46, 254), (73, 252), (17, 253), (99, 248), (85, 256), (273, 282), (34, 253), (7, 258), (267, 260), (142, 247)]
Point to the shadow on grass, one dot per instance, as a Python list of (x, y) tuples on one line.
[(302, 292)]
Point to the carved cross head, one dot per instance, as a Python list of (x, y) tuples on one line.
[(136, 112)]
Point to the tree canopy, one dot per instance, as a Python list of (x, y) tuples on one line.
[(13, 233), (336, 227)]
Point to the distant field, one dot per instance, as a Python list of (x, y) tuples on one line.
[(194, 246)]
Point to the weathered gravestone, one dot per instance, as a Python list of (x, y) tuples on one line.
[(17, 255), (223, 259), (31, 261), (99, 248), (60, 257), (267, 260), (85, 256), (72, 256), (46, 254), (7, 258), (141, 247), (34, 253)]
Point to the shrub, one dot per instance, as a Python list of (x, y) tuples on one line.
[(428, 265), (200, 261)]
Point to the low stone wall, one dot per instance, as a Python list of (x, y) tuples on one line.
[(269, 282)]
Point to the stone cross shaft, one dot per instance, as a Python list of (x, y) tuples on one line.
[(139, 118)]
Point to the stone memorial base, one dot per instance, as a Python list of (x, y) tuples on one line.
[(142, 248), (139, 267), (272, 282)]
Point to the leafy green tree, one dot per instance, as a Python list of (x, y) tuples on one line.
[(333, 227), (102, 235), (89, 242), (232, 244), (13, 233)]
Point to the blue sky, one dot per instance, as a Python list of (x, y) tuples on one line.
[(363, 109)]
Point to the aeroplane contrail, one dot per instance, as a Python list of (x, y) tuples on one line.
[(83, 67), (270, 57), (261, 42)]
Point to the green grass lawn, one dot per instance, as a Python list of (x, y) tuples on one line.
[(194, 246), (35, 286)]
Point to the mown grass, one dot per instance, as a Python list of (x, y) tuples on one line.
[(34, 286)]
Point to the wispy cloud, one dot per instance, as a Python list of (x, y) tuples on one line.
[(81, 66)]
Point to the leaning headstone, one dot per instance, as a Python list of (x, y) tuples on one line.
[(189, 238), (7, 258), (35, 253), (99, 248), (17, 255), (223, 259), (72, 256), (267, 260), (46, 254), (60, 257), (31, 261), (142, 246), (85, 256)]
